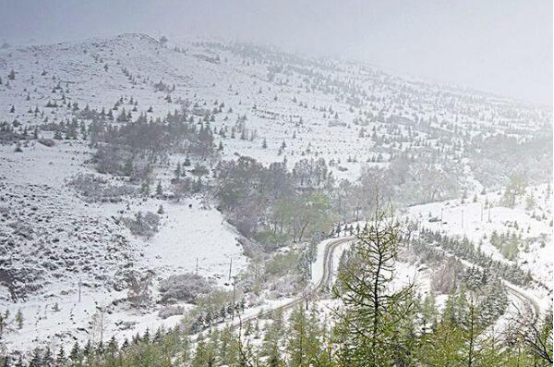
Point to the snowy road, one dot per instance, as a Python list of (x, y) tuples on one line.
[(324, 269), (327, 270)]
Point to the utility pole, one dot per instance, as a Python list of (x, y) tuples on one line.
[(230, 269), (80, 290), (102, 327), (234, 300), (101, 309)]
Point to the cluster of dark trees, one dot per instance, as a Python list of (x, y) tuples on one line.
[(426, 247), (496, 159), (273, 204), (132, 149), (9, 133), (154, 139)]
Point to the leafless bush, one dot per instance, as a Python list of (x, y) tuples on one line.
[(169, 311), (182, 187), (184, 287), (97, 189), (445, 279), (139, 289)]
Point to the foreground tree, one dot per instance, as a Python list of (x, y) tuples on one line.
[(530, 336), (373, 325)]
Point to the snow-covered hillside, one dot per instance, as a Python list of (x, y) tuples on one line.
[(56, 245), (481, 218), (321, 108), (73, 238)]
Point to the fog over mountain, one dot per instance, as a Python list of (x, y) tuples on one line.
[(503, 47), (276, 184)]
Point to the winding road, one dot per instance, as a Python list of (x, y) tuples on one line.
[(327, 280), (323, 282), (529, 302)]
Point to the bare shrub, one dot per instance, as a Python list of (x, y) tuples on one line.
[(445, 279), (97, 189), (184, 287), (139, 288), (169, 311)]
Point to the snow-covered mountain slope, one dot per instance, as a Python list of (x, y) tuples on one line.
[(63, 258), (56, 243), (347, 113), (520, 234)]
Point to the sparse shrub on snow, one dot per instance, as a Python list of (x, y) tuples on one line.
[(184, 287), (145, 225), (94, 188), (169, 311)]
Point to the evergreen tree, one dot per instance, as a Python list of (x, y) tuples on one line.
[(128, 167), (19, 319), (48, 358), (36, 359), (159, 189), (178, 171), (303, 346), (75, 355), (145, 188), (372, 323), (203, 356), (185, 352), (228, 350), (60, 359)]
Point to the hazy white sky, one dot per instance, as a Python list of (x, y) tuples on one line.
[(500, 46)]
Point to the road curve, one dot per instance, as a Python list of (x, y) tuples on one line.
[(532, 305), (327, 277), (321, 283)]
